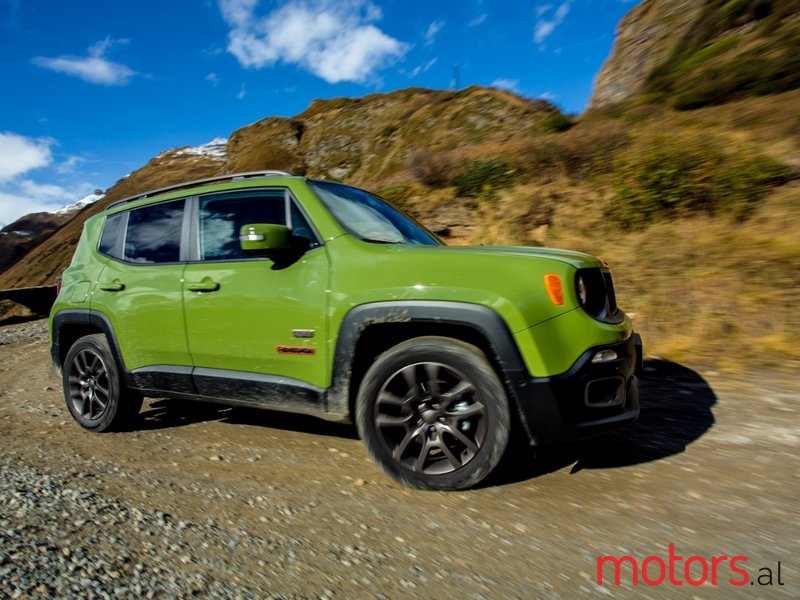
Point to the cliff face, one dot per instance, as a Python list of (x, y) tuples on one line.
[(693, 53), (645, 38)]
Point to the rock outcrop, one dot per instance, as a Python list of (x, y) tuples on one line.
[(645, 38), (693, 53)]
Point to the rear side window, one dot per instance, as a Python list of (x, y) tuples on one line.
[(111, 240), (221, 218), (154, 233)]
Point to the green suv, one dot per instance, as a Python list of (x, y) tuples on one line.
[(272, 290)]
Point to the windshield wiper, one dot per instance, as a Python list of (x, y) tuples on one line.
[(376, 241)]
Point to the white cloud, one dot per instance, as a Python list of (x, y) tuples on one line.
[(544, 26), (23, 197), (433, 29), (242, 93), (335, 41), (422, 68), (213, 79), (19, 194), (20, 154), (478, 20), (94, 68), (69, 165), (512, 85)]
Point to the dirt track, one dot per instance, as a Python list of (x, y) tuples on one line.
[(217, 501)]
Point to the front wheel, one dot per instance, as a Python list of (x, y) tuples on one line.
[(95, 394), (433, 414)]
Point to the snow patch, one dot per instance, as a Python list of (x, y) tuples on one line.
[(80, 204), (215, 149)]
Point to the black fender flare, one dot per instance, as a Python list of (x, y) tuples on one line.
[(87, 318), (482, 319)]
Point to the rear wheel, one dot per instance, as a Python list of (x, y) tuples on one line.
[(94, 392), (433, 414)]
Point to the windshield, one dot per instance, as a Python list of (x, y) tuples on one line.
[(368, 217)]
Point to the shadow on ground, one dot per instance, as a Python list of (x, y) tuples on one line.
[(675, 411), (167, 413)]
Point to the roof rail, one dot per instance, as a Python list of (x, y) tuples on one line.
[(196, 182)]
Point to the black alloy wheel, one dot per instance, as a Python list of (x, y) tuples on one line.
[(89, 387), (433, 413), (430, 418), (92, 387)]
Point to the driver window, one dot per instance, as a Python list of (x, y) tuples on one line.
[(221, 218)]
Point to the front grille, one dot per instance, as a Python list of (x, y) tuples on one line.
[(610, 295)]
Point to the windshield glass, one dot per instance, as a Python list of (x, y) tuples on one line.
[(368, 217)]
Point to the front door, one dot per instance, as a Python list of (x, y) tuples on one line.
[(250, 318)]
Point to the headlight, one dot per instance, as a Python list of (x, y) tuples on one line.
[(582, 294)]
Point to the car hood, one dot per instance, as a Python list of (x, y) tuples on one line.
[(578, 260)]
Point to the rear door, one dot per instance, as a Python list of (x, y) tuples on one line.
[(250, 317), (140, 290)]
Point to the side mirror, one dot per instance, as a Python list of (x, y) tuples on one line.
[(261, 237)]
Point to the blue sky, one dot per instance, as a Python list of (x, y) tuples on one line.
[(91, 90)]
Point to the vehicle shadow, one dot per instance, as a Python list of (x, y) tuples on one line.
[(675, 402), (166, 413), (675, 411)]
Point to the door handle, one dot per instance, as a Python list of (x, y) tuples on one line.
[(112, 286), (207, 285)]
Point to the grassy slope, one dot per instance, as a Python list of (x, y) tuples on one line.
[(706, 287)]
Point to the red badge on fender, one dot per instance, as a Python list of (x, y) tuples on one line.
[(296, 350)]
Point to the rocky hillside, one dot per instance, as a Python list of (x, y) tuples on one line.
[(363, 140), (645, 38), (18, 238), (370, 139), (27, 232), (693, 53)]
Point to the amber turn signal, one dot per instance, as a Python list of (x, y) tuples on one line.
[(552, 284)]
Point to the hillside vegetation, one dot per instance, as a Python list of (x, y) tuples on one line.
[(685, 182), (735, 48), (697, 213)]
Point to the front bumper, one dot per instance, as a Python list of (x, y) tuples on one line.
[(589, 398)]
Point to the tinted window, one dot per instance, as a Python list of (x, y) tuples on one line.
[(221, 218), (302, 228), (154, 233), (368, 217), (110, 242)]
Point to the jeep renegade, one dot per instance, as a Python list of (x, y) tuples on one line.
[(278, 291)]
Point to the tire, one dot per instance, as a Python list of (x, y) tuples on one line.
[(433, 414), (93, 389)]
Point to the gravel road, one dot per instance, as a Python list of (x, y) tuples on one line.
[(210, 501)]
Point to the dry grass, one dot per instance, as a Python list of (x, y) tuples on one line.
[(706, 289)]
